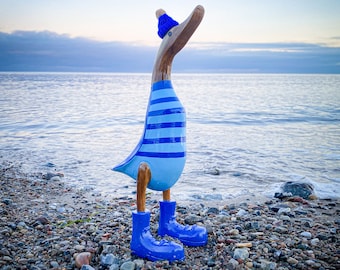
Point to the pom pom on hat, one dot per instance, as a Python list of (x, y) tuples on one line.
[(165, 23)]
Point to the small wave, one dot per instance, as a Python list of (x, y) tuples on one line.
[(263, 121), (332, 157)]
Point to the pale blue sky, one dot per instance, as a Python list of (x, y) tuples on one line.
[(239, 21)]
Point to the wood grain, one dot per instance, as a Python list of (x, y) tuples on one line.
[(143, 179), (173, 42)]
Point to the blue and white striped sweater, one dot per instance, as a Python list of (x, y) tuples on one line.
[(163, 144)]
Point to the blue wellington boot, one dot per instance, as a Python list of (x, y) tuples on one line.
[(145, 246), (189, 235)]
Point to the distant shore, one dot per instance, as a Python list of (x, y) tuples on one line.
[(45, 223)]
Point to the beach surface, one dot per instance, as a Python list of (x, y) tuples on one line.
[(46, 224)]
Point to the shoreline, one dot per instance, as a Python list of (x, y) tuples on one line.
[(45, 223)]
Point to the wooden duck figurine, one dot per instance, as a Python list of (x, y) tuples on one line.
[(159, 158)]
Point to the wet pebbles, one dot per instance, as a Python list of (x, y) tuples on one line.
[(44, 224)]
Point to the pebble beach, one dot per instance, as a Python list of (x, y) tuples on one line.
[(47, 224)]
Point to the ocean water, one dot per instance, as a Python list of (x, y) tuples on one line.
[(247, 134)]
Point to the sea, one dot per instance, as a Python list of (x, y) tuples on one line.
[(247, 134)]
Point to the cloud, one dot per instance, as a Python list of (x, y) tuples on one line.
[(265, 57), (48, 51)]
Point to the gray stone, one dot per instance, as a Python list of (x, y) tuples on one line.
[(79, 247), (241, 213), (232, 264), (241, 253), (307, 222), (285, 218), (114, 267), (310, 262), (292, 260), (128, 266), (213, 210), (139, 263), (234, 232), (192, 219), (281, 229), (61, 209), (7, 258), (108, 259), (303, 190), (308, 235), (22, 225), (4, 252), (22, 261), (54, 264), (314, 241), (267, 265), (284, 211)]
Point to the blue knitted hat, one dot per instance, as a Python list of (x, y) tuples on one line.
[(165, 23)]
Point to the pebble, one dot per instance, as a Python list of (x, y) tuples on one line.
[(22, 261), (108, 259), (232, 264), (234, 232), (192, 219), (83, 258), (54, 264), (314, 241), (213, 210), (241, 213), (281, 230), (268, 265), (292, 260), (79, 247), (128, 266), (7, 258), (114, 267), (139, 263), (241, 253), (301, 189), (48, 224), (308, 235), (243, 245), (4, 252), (284, 211)]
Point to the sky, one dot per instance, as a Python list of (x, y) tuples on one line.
[(235, 35)]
